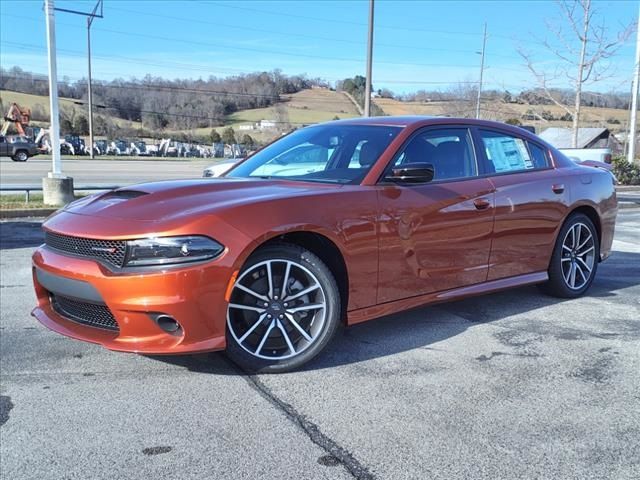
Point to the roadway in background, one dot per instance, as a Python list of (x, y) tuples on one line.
[(99, 172)]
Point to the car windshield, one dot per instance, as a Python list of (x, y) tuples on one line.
[(325, 153)]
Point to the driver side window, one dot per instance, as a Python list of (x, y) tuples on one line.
[(449, 150)]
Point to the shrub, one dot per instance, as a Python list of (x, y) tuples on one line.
[(626, 173)]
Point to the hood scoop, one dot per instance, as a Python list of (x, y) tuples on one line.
[(122, 194), (116, 196)]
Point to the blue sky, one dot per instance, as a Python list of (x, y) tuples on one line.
[(418, 44)]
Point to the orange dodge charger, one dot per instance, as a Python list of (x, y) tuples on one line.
[(333, 224)]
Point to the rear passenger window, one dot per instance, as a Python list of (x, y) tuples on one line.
[(539, 156), (509, 154)]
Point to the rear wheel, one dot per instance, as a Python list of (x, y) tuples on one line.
[(20, 156), (575, 258), (283, 310)]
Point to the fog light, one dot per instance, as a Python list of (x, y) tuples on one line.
[(167, 323)]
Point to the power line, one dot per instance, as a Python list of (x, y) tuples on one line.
[(287, 34), (274, 52)]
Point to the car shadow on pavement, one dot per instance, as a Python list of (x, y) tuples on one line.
[(423, 327), (20, 234)]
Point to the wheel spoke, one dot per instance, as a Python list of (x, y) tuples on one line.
[(246, 307), (584, 243), (285, 280), (265, 336), (573, 237), (253, 327), (566, 247), (584, 252), (566, 259), (314, 306), (584, 263), (302, 292), (298, 327), (251, 292), (286, 336), (270, 279), (584, 278), (572, 276)]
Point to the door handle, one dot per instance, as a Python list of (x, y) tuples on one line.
[(481, 203), (557, 188)]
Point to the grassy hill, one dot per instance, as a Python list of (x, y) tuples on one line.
[(590, 117), (319, 105), (39, 104), (304, 107)]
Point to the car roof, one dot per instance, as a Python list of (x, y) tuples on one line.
[(417, 121), (425, 120)]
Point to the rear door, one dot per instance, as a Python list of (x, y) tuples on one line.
[(435, 236), (530, 201)]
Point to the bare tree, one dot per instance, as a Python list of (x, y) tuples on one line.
[(581, 44)]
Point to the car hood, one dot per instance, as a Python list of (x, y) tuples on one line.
[(169, 200)]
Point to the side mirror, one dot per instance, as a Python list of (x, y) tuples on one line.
[(412, 173)]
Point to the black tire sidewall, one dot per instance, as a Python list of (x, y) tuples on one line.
[(328, 283), (556, 285)]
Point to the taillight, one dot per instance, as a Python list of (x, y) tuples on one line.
[(607, 158)]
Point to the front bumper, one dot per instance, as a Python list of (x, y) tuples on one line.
[(192, 294)]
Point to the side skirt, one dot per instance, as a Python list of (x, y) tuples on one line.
[(369, 313)]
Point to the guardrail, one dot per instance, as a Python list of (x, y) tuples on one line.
[(34, 188)]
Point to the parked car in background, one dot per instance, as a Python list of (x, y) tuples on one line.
[(100, 147), (119, 147), (602, 155), (18, 149), (336, 223), (217, 169)]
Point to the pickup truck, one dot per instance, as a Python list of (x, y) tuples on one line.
[(580, 155), (19, 150)]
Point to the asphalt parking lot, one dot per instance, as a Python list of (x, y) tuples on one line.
[(511, 385)]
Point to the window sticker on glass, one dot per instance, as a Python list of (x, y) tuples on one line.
[(507, 153)]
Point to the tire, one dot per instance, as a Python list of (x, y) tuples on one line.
[(267, 333), (20, 156), (582, 257)]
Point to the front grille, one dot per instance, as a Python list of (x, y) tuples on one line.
[(82, 312), (109, 251)]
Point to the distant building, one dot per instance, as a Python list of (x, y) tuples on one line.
[(588, 137), (267, 124), (250, 126)]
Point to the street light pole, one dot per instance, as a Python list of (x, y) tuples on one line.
[(484, 44), (89, 93), (367, 89), (634, 99), (54, 130)]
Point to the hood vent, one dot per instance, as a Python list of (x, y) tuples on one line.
[(122, 195)]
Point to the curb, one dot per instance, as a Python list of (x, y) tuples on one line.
[(26, 213)]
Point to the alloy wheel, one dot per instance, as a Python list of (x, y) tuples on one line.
[(578, 256), (277, 309)]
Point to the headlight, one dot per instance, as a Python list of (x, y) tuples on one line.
[(168, 250)]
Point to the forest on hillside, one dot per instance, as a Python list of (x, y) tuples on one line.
[(160, 103)]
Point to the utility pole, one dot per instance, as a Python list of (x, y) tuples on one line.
[(54, 130), (367, 89), (484, 45), (89, 94), (634, 99), (57, 189)]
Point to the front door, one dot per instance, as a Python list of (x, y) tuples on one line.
[(435, 236)]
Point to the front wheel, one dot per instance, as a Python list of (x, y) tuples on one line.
[(20, 156), (283, 310), (575, 258)]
